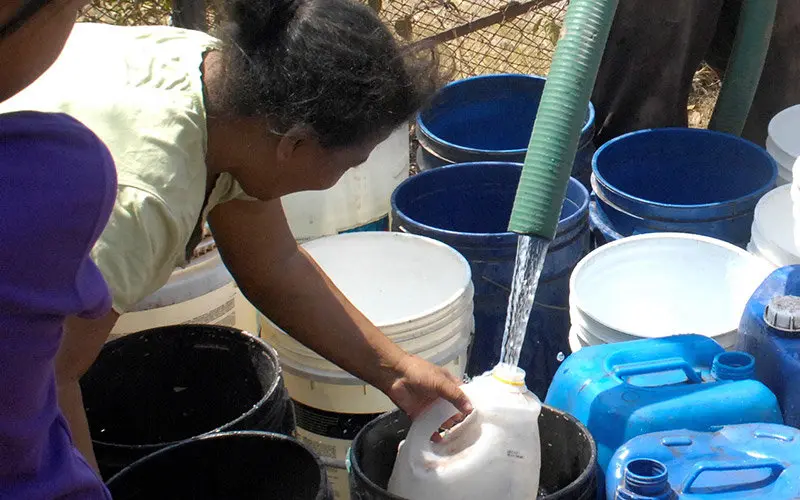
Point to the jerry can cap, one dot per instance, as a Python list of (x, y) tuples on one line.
[(783, 313)]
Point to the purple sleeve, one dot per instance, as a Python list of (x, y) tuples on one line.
[(58, 186)]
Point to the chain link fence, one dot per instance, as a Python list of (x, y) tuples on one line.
[(128, 12), (474, 36)]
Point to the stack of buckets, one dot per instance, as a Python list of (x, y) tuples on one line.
[(776, 227), (783, 141), (674, 263)]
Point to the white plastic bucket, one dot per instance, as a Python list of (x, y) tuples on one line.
[(775, 234), (783, 141), (418, 291), (202, 292), (657, 285), (784, 160), (359, 201), (246, 314)]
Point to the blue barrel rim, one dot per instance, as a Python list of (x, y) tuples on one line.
[(221, 429), (563, 225), (587, 127), (601, 185)]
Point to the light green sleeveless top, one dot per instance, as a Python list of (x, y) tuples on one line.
[(140, 90)]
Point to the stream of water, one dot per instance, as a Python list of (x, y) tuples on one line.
[(531, 252)]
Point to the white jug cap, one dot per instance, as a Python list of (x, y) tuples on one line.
[(508, 374), (783, 313)]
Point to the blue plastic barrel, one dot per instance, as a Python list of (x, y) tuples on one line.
[(770, 331), (489, 118), (679, 180), (738, 462), (467, 206)]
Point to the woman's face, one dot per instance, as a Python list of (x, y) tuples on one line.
[(27, 52), (303, 164)]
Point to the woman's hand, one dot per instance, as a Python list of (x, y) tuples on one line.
[(417, 384)]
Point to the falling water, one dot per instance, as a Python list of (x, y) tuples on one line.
[(531, 252)]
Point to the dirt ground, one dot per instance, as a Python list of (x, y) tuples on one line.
[(705, 90)]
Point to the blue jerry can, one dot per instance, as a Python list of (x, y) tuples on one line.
[(623, 390), (770, 331), (749, 461)]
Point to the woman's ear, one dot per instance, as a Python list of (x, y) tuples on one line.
[(298, 144)]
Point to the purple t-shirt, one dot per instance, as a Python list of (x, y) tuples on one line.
[(57, 188)]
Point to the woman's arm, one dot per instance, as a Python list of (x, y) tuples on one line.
[(82, 342), (282, 281)]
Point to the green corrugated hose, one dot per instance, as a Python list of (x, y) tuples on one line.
[(745, 65), (562, 110), (566, 95)]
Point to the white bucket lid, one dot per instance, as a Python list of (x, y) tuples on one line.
[(664, 284), (394, 278), (784, 130), (774, 235)]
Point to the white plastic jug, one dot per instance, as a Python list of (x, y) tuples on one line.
[(493, 454)]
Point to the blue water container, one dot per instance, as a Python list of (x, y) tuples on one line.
[(770, 331), (489, 118), (623, 390), (468, 206), (737, 462), (679, 180)]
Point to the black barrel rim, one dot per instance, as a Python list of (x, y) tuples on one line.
[(271, 353), (583, 478), (323, 477), (590, 469)]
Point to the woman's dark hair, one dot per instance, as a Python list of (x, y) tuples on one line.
[(329, 65)]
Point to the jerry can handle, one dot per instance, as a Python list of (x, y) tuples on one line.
[(659, 365), (427, 423), (776, 469)]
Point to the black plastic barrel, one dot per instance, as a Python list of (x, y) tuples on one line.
[(235, 465), (155, 388), (569, 457)]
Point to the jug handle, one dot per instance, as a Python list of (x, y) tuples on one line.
[(775, 467), (659, 365), (427, 423)]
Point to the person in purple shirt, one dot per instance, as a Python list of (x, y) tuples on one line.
[(57, 188)]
